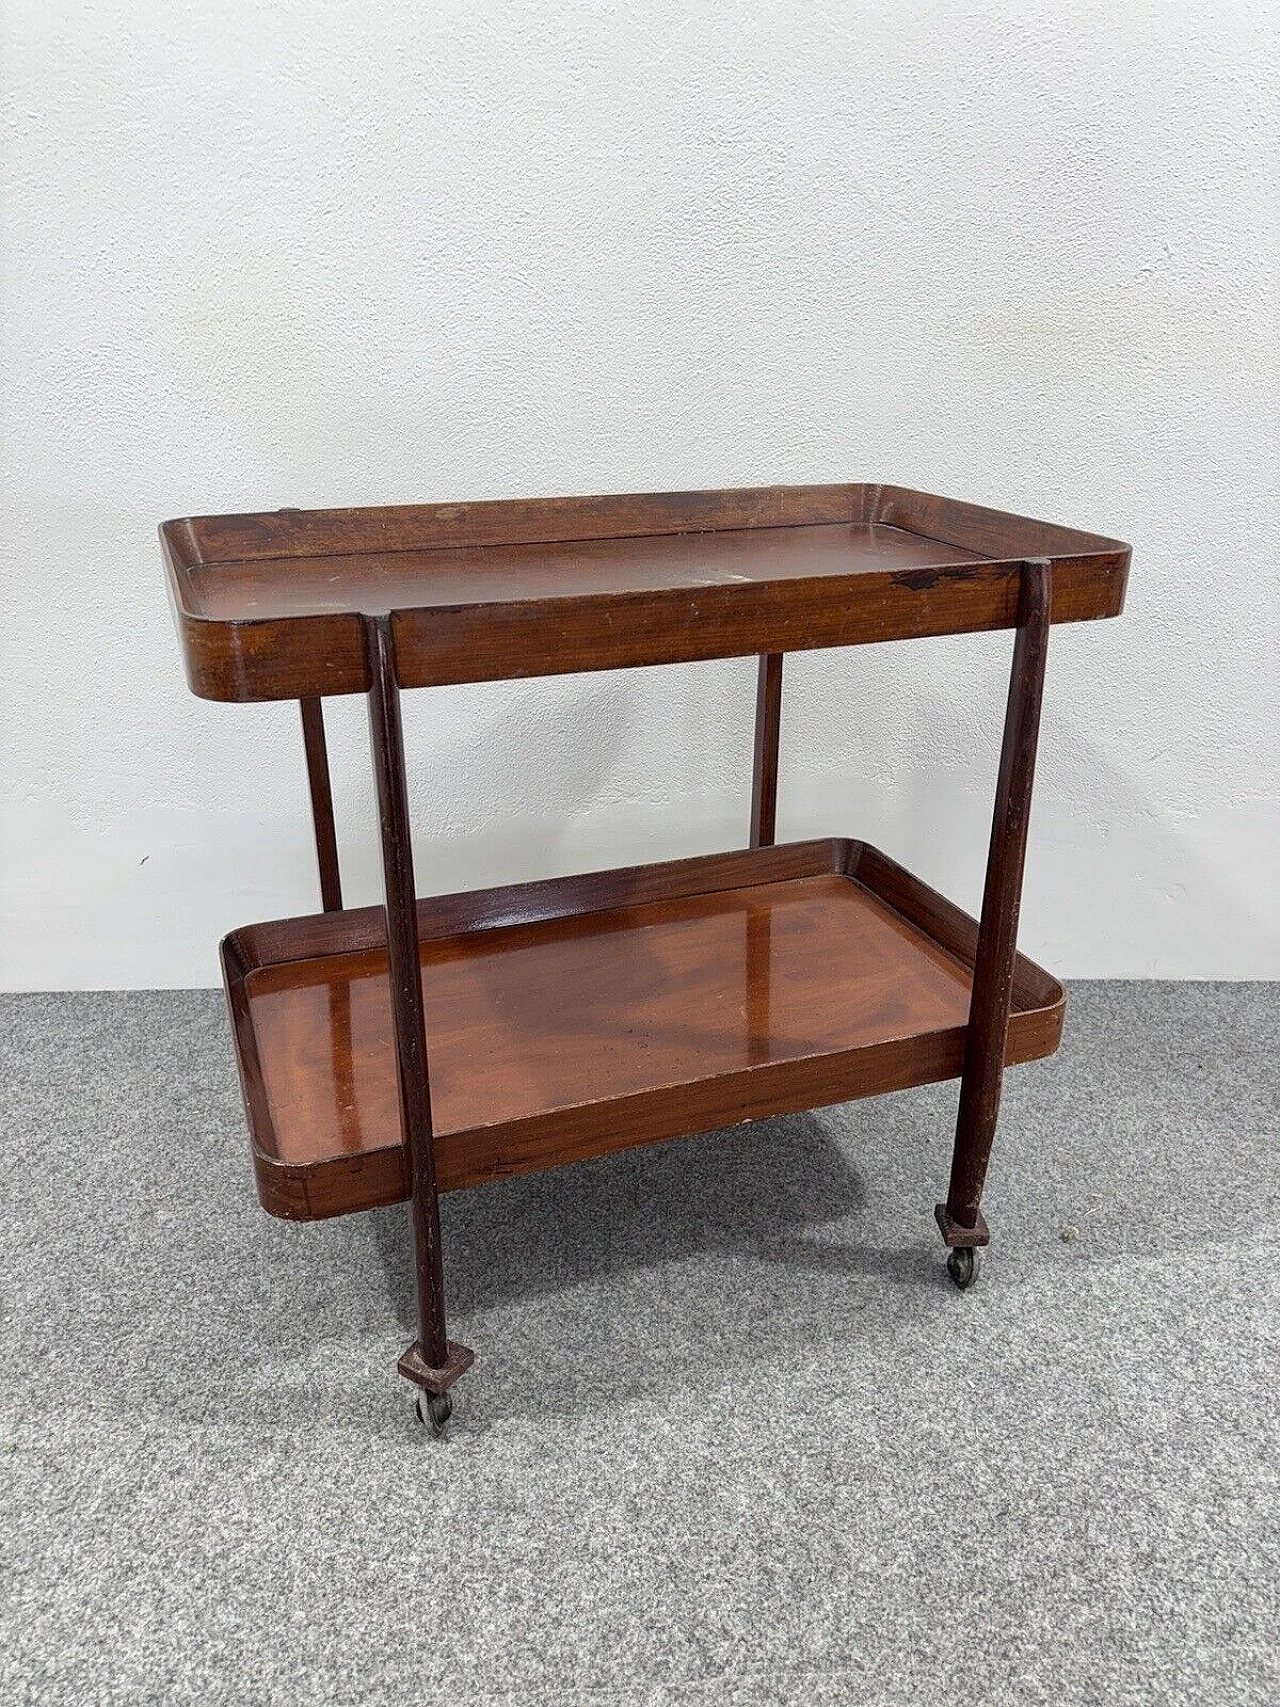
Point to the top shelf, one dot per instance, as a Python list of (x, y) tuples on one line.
[(272, 606)]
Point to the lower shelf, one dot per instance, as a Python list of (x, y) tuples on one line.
[(581, 1015)]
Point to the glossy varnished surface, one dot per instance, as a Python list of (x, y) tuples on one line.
[(540, 1017), (575, 1034), (273, 606)]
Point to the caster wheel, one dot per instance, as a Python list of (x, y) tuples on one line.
[(962, 1266), (434, 1411)]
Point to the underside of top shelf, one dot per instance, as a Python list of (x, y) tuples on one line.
[(273, 606)]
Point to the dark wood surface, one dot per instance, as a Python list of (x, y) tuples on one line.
[(321, 790), (376, 582), (271, 606), (570, 1018), (984, 1056), (764, 775), (574, 1017), (404, 1063)]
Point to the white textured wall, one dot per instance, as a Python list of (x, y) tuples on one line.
[(343, 253)]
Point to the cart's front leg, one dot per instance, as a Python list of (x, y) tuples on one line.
[(960, 1217), (433, 1362)]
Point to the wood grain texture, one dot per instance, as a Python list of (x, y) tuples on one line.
[(270, 606), (509, 521), (679, 998), (994, 964), (404, 1064), (321, 790), (764, 774)]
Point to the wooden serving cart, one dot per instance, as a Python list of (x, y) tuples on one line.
[(572, 1017)]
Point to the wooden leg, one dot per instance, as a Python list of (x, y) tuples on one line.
[(321, 804), (960, 1217), (433, 1361), (764, 782)]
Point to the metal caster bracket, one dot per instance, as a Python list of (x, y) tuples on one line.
[(434, 1411)]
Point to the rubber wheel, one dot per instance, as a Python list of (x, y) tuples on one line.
[(962, 1266), (434, 1411)]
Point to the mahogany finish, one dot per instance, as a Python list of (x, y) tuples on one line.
[(764, 780), (984, 1056), (573, 1017), (436, 1363), (271, 606), (317, 752), (569, 1018)]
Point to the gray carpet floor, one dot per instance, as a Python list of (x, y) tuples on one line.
[(731, 1436)]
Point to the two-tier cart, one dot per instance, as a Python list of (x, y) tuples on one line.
[(394, 1053)]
